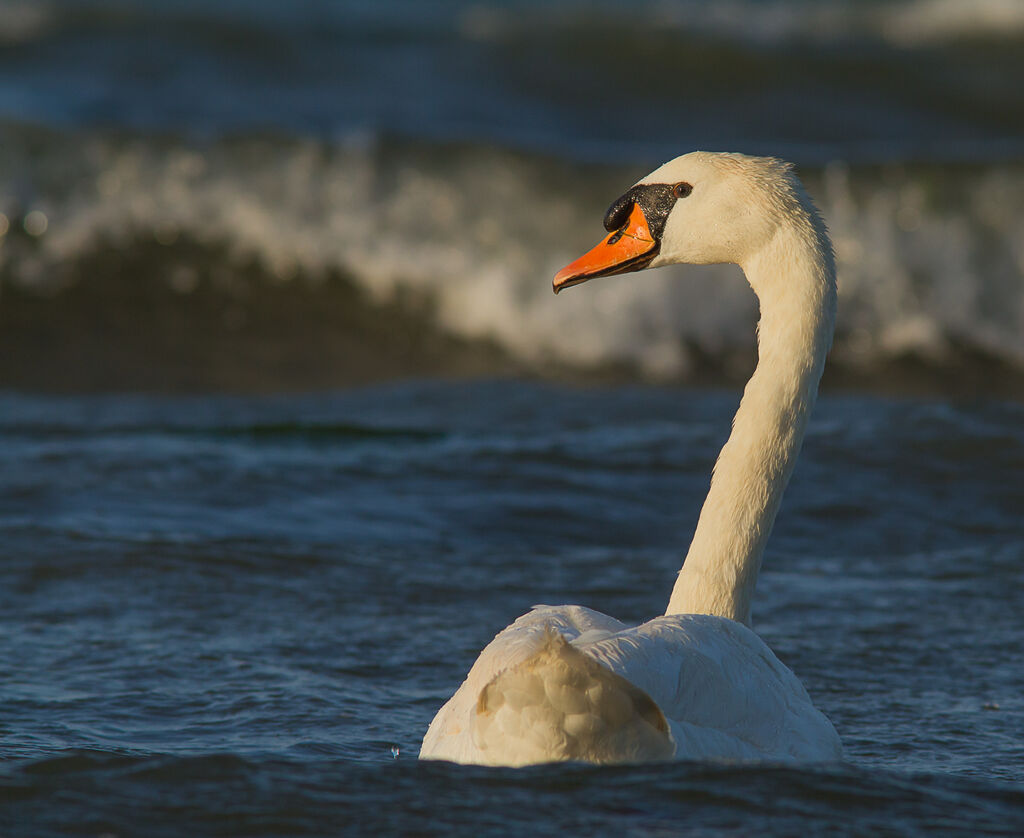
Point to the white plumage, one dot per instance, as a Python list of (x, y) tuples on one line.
[(685, 686), (568, 683)]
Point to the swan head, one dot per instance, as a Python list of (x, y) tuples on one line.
[(701, 208)]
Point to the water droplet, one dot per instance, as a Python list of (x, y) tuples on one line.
[(35, 223), (394, 751)]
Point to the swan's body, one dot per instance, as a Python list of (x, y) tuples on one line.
[(568, 683)]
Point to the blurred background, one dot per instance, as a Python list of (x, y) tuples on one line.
[(260, 195)]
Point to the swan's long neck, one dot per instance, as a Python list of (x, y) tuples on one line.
[(794, 277)]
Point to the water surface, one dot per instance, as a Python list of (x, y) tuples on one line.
[(238, 615)]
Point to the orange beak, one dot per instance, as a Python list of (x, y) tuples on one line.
[(629, 248)]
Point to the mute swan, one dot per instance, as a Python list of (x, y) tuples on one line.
[(568, 683)]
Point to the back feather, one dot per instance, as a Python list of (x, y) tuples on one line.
[(559, 705)]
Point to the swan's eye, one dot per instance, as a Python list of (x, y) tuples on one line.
[(681, 190)]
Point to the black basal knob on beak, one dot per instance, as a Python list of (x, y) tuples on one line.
[(618, 213)]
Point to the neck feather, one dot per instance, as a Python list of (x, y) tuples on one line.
[(794, 277)]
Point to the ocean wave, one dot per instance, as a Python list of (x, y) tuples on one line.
[(776, 22), (467, 238), (897, 22), (865, 81)]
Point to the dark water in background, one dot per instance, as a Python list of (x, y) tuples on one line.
[(818, 81), (221, 614)]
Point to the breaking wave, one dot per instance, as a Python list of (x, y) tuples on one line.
[(464, 240)]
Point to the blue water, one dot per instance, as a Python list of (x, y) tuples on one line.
[(805, 79), (232, 615), (236, 614)]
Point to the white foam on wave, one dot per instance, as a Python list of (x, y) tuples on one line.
[(898, 22), (926, 21), (901, 22), (24, 20), (929, 260)]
